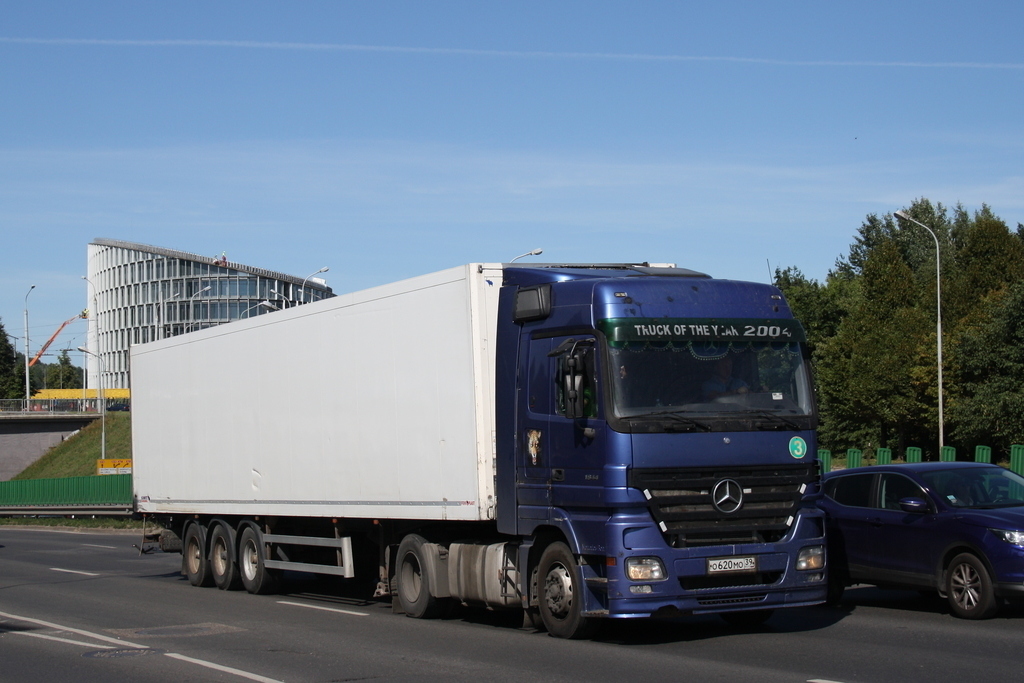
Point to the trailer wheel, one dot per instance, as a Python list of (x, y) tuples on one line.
[(256, 578), (561, 599), (193, 557), (222, 559), (414, 579)]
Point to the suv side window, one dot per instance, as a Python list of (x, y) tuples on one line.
[(853, 490), (896, 486)]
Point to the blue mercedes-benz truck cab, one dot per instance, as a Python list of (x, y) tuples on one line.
[(656, 446)]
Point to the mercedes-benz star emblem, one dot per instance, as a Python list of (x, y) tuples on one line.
[(727, 496)]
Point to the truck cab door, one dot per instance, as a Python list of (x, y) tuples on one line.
[(559, 459), (536, 406)]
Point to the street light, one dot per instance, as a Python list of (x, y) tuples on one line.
[(938, 313), (263, 304), (535, 252), (302, 295), (95, 315), (103, 403), (191, 306), (163, 313), (28, 394)]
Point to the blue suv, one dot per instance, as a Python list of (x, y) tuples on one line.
[(956, 528)]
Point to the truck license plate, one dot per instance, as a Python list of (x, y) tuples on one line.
[(721, 565)]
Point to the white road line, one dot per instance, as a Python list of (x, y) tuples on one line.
[(821, 680), (325, 609), (225, 669), (71, 571), (62, 640), (93, 545), (125, 643), (87, 634)]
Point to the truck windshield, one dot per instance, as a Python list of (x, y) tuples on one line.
[(706, 369)]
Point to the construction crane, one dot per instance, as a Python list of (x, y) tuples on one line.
[(83, 314)]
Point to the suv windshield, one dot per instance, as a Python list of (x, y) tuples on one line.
[(730, 369), (977, 487)]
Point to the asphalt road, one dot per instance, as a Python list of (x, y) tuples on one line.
[(79, 607)]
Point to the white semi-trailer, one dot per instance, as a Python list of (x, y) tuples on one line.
[(529, 437)]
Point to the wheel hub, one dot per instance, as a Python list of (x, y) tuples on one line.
[(966, 586), (558, 591)]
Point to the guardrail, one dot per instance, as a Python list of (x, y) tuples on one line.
[(883, 456), (109, 495), (9, 406)]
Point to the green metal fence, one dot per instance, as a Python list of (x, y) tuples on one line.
[(91, 494), (883, 456)]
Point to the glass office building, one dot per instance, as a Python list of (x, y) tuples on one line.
[(139, 293)]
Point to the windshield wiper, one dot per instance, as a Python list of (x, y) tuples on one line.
[(674, 415), (777, 419)]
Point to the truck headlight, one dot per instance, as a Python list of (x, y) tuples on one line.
[(1012, 537), (645, 569), (811, 558)]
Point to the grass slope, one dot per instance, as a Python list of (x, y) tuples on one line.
[(77, 456)]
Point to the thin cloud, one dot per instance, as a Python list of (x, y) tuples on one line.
[(508, 54)]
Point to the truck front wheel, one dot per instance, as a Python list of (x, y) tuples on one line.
[(414, 579), (194, 559), (561, 599), (256, 578)]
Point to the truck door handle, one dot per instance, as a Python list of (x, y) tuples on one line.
[(558, 474)]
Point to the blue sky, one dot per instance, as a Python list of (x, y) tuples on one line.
[(389, 139)]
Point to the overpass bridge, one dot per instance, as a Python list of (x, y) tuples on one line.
[(29, 429)]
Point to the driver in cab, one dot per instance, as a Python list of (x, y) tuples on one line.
[(722, 383)]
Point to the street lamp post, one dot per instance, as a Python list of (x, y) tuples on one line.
[(191, 306), (302, 291), (94, 314), (535, 252), (263, 304), (28, 391), (938, 313), (103, 403), (163, 314)]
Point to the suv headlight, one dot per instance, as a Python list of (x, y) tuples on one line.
[(811, 558), (645, 569), (1012, 537)]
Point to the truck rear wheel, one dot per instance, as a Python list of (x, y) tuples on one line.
[(414, 579), (256, 578), (194, 559), (561, 597), (222, 559)]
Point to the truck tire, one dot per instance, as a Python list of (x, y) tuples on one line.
[(414, 579), (561, 598), (256, 578), (969, 588), (222, 559), (194, 559)]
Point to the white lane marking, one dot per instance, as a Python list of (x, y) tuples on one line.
[(225, 669), (325, 609), (71, 571), (821, 680), (125, 643), (87, 634), (93, 545), (62, 640)]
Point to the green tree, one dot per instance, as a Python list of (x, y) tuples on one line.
[(12, 370), (868, 390), (62, 374), (987, 369)]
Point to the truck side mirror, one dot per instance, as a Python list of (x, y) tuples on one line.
[(573, 380)]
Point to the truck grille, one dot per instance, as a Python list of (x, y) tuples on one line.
[(680, 501)]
